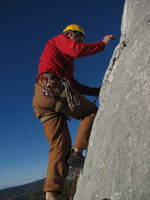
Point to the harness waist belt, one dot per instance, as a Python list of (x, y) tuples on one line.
[(46, 75)]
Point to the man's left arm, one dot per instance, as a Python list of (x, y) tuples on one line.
[(85, 90)]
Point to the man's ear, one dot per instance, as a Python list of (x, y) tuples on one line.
[(71, 34)]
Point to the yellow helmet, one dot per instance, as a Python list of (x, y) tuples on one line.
[(74, 27)]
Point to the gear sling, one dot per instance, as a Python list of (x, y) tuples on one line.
[(65, 95)]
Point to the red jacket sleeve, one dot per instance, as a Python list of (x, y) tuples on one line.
[(75, 49)]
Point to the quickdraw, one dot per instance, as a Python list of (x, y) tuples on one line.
[(71, 98)]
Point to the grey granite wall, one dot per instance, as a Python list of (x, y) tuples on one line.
[(117, 166)]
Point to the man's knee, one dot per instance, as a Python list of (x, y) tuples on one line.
[(91, 113)]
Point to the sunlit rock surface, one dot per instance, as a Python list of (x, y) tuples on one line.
[(117, 166)]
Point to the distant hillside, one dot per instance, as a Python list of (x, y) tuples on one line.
[(23, 192), (34, 190)]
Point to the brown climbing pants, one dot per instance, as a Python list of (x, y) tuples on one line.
[(57, 133)]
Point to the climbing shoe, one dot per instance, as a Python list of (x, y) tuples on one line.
[(76, 159)]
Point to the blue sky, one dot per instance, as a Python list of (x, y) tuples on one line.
[(25, 28)]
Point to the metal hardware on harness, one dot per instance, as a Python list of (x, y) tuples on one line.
[(72, 99), (45, 91)]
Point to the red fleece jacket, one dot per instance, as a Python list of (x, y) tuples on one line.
[(59, 54)]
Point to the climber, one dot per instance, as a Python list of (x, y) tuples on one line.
[(58, 95)]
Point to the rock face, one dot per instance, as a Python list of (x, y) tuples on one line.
[(117, 166)]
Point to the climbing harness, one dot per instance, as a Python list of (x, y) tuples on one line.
[(47, 117), (66, 95)]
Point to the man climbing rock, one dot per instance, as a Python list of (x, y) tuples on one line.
[(58, 95)]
